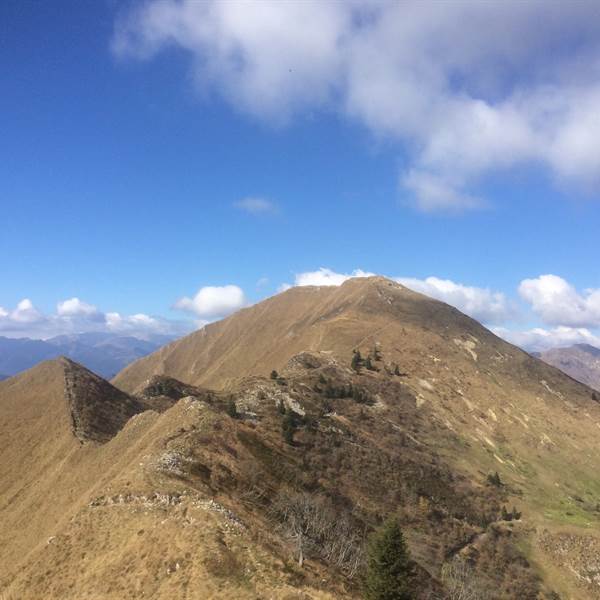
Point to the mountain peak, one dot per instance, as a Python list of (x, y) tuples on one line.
[(263, 337), (589, 349), (580, 361), (98, 409), (436, 420)]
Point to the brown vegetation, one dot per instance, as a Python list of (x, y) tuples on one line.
[(277, 497)]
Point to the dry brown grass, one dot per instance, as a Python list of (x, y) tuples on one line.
[(467, 404)]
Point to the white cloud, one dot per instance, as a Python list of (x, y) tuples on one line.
[(267, 58), (26, 312), (539, 339), (436, 192), (480, 303), (212, 302), (256, 206), (142, 325), (74, 307), (76, 316), (467, 87), (557, 302), (322, 276)]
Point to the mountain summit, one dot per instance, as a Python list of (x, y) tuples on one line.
[(251, 458), (332, 319)]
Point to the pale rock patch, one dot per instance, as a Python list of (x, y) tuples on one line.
[(468, 346)]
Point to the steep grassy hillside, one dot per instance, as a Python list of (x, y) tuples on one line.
[(512, 412), (488, 457), (117, 519)]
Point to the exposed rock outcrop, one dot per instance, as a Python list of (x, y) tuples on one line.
[(98, 409)]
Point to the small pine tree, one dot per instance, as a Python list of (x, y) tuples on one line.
[(388, 565), (232, 408), (322, 379), (274, 374), (397, 371), (356, 360), (494, 479)]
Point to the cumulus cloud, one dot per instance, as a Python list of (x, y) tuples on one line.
[(557, 302), (467, 88), (74, 307), (142, 325), (480, 303), (76, 316), (322, 276), (325, 276), (213, 302), (256, 206), (25, 312), (539, 339)]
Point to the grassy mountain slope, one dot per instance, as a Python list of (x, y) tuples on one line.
[(511, 412), (108, 520), (266, 335), (196, 499)]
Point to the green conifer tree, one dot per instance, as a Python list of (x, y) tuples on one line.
[(388, 565)]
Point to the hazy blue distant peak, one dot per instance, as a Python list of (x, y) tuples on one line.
[(103, 353)]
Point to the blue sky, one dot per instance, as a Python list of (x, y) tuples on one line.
[(150, 150)]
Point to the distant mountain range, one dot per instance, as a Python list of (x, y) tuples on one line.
[(581, 361), (104, 353)]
